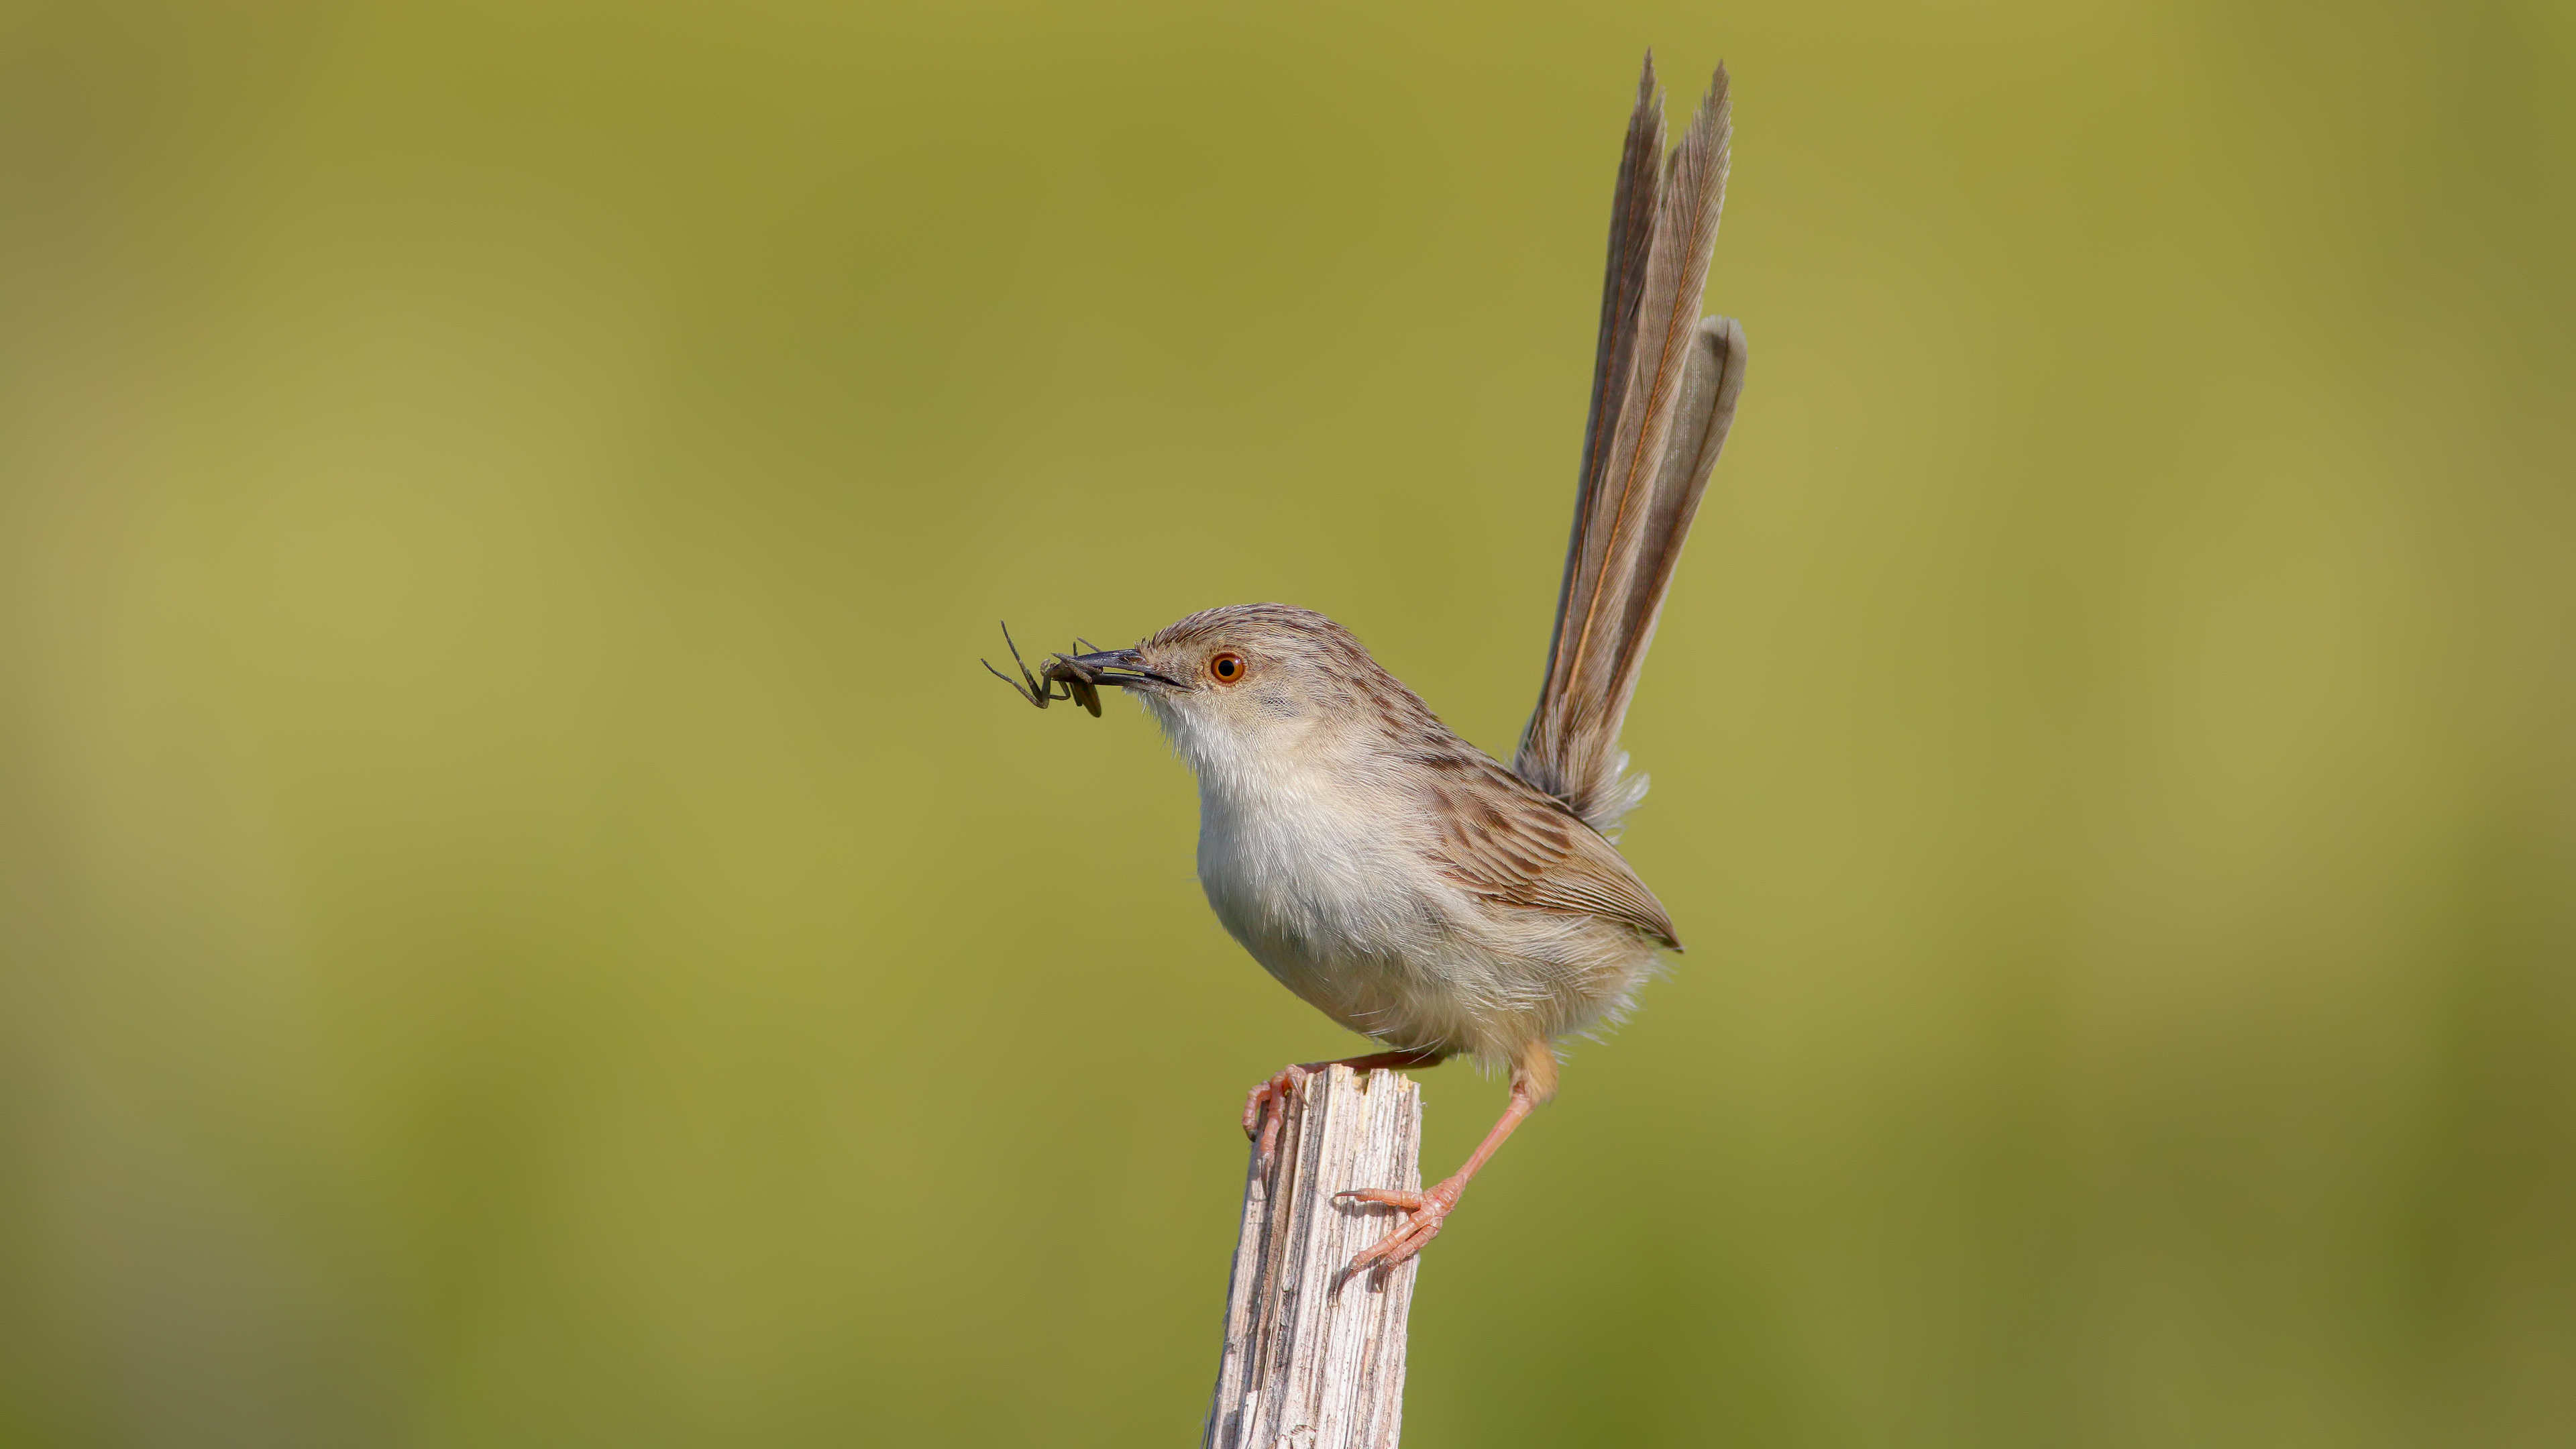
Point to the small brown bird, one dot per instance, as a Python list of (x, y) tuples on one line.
[(1388, 872)]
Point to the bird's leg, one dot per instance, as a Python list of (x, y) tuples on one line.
[(1263, 1125), (1533, 1082)]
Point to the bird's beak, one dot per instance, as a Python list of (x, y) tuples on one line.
[(1123, 667), (1079, 675)]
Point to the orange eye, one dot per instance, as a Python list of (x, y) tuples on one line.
[(1227, 667)]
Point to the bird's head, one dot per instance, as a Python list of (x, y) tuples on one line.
[(1250, 682)]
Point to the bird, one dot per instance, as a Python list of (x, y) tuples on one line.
[(1407, 884)]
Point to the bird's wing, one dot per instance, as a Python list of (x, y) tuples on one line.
[(1664, 386), (1500, 840)]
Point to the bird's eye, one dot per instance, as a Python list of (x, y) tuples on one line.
[(1227, 667)]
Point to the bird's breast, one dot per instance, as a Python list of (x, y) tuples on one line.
[(1302, 869)]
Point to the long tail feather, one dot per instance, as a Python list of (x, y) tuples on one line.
[(1664, 389)]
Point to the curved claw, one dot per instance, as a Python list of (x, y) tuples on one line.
[(1265, 1110), (1424, 1215)]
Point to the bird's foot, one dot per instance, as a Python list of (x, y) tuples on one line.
[(1424, 1213), (1265, 1109)]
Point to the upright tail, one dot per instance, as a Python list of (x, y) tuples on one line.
[(1663, 393)]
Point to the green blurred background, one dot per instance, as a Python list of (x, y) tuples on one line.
[(523, 923)]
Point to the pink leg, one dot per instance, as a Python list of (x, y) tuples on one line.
[(1533, 1082), (1263, 1126)]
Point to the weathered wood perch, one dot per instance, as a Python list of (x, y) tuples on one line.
[(1314, 1359)]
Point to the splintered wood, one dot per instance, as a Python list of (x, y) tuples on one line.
[(1314, 1356)]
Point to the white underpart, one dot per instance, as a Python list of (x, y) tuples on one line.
[(1303, 860)]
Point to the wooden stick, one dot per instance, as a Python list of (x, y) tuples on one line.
[(1314, 1355)]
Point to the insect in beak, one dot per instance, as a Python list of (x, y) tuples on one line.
[(1078, 675)]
